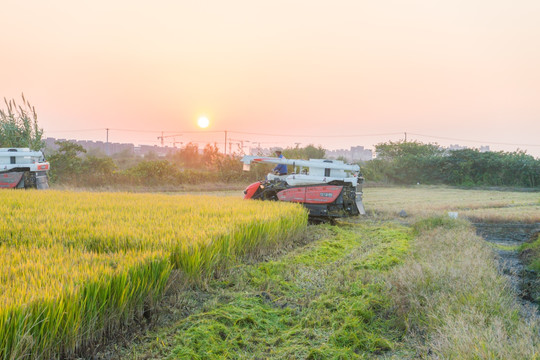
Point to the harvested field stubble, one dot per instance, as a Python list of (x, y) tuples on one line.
[(476, 205), (74, 266), (454, 302)]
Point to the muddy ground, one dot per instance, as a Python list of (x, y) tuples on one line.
[(507, 238)]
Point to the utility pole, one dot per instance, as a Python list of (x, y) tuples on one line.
[(405, 136), (225, 142), (107, 147)]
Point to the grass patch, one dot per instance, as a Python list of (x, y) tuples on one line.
[(434, 222), (530, 253), (505, 247), (325, 301), (455, 304)]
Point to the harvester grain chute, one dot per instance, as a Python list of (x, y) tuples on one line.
[(327, 188), (22, 168)]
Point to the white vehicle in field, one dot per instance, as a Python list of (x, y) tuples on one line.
[(327, 188), (22, 168)]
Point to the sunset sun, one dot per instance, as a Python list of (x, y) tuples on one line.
[(203, 122)]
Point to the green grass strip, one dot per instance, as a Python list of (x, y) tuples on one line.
[(325, 301)]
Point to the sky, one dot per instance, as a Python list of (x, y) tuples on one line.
[(331, 73)]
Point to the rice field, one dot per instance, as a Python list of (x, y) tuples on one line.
[(475, 205), (76, 266)]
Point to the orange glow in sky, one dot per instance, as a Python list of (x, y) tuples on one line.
[(338, 74)]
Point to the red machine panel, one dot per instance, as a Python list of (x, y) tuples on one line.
[(10, 180), (293, 195), (251, 189), (325, 194)]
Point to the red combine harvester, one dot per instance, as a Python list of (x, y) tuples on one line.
[(327, 188), (23, 169)]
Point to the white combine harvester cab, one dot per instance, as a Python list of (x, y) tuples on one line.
[(328, 188), (319, 171), (23, 168)]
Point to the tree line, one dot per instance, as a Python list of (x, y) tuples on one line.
[(402, 162), (71, 164), (415, 162)]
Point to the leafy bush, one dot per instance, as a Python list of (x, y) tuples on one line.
[(65, 162), (414, 162), (308, 152), (98, 171), (154, 170)]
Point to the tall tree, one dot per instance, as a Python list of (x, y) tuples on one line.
[(308, 152), (65, 162), (405, 162), (400, 149)]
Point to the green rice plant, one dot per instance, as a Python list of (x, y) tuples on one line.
[(76, 266), (198, 231), (56, 300)]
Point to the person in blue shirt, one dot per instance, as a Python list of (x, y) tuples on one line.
[(280, 169)]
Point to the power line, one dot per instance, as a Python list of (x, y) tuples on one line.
[(178, 133), (473, 141), (235, 132), (78, 130), (314, 136)]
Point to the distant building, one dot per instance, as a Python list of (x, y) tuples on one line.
[(160, 151), (259, 151), (112, 148), (456, 147), (483, 148), (355, 153)]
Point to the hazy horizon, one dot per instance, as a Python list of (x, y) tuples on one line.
[(335, 74)]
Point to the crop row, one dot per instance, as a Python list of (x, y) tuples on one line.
[(76, 266)]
